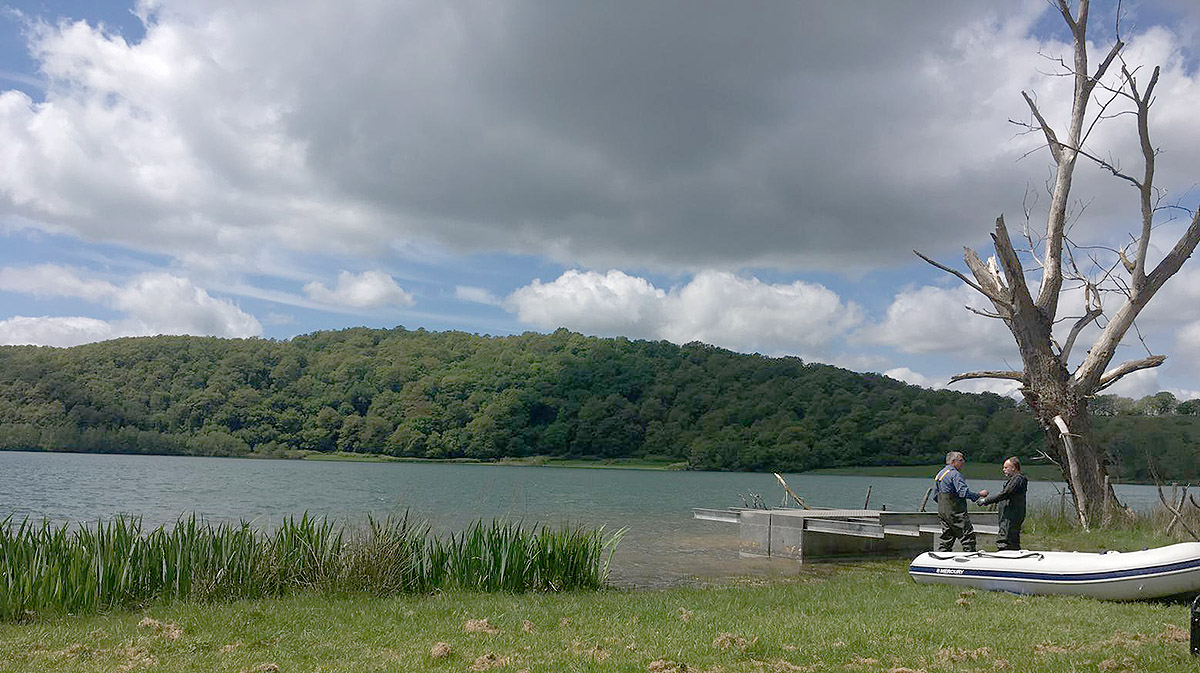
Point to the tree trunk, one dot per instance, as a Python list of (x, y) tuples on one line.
[(1081, 461)]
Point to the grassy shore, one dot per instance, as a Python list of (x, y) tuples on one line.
[(862, 617), (976, 471), (857, 617)]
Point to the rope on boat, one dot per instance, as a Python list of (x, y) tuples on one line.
[(963, 558)]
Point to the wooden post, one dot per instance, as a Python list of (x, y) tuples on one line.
[(868, 502)]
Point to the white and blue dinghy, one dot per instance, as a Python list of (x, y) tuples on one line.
[(1122, 576)]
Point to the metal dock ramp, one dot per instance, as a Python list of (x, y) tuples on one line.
[(829, 534)]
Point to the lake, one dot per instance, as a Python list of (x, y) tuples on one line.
[(663, 544)]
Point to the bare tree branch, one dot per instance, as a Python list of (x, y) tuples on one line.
[(983, 313), (1146, 187), (1051, 138), (1092, 314), (1110, 377), (1091, 370), (1176, 512), (975, 286), (1009, 375), (1106, 165)]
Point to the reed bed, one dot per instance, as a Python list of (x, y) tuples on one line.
[(47, 568)]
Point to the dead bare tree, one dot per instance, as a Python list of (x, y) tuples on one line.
[(1058, 395)]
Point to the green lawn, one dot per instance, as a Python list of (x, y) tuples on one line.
[(855, 617)]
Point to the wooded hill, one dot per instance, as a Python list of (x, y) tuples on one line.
[(451, 394)]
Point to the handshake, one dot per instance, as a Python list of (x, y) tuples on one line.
[(982, 495)]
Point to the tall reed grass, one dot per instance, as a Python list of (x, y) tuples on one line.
[(1054, 525), (49, 568)]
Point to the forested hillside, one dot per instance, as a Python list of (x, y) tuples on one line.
[(452, 394)]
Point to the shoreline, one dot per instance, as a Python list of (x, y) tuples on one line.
[(972, 470), (531, 461)]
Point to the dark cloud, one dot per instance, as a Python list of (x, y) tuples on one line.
[(656, 135)]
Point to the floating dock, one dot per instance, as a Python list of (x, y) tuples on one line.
[(837, 534)]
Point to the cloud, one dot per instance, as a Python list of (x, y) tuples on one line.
[(1136, 385), (49, 331), (477, 295), (1187, 349), (369, 289), (666, 135), (611, 303), (932, 319), (148, 304), (719, 308), (52, 280), (914, 378), (997, 386)]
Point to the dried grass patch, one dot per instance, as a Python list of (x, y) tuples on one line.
[(480, 626), (725, 641), (167, 630), (489, 661)]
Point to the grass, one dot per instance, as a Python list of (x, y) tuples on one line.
[(977, 471), (863, 617), (47, 569)]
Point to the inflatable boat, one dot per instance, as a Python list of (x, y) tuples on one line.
[(1150, 573)]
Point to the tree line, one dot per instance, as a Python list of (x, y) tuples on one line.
[(427, 394)]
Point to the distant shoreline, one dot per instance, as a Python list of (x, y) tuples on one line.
[(971, 471), (531, 461)]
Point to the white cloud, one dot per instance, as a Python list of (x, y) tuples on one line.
[(477, 295), (934, 320), (52, 280), (369, 289), (50, 331), (998, 386), (1136, 385), (611, 303), (1187, 349), (913, 378), (148, 304), (160, 303), (719, 308)]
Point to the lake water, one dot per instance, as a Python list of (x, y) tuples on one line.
[(664, 545)]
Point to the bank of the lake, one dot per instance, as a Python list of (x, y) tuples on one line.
[(523, 461), (856, 617)]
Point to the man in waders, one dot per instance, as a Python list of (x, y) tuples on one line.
[(1012, 505), (951, 493)]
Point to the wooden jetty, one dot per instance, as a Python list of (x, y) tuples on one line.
[(833, 534)]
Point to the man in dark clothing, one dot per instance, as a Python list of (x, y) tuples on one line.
[(951, 493), (1012, 505)]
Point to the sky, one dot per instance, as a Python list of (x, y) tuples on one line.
[(750, 175)]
